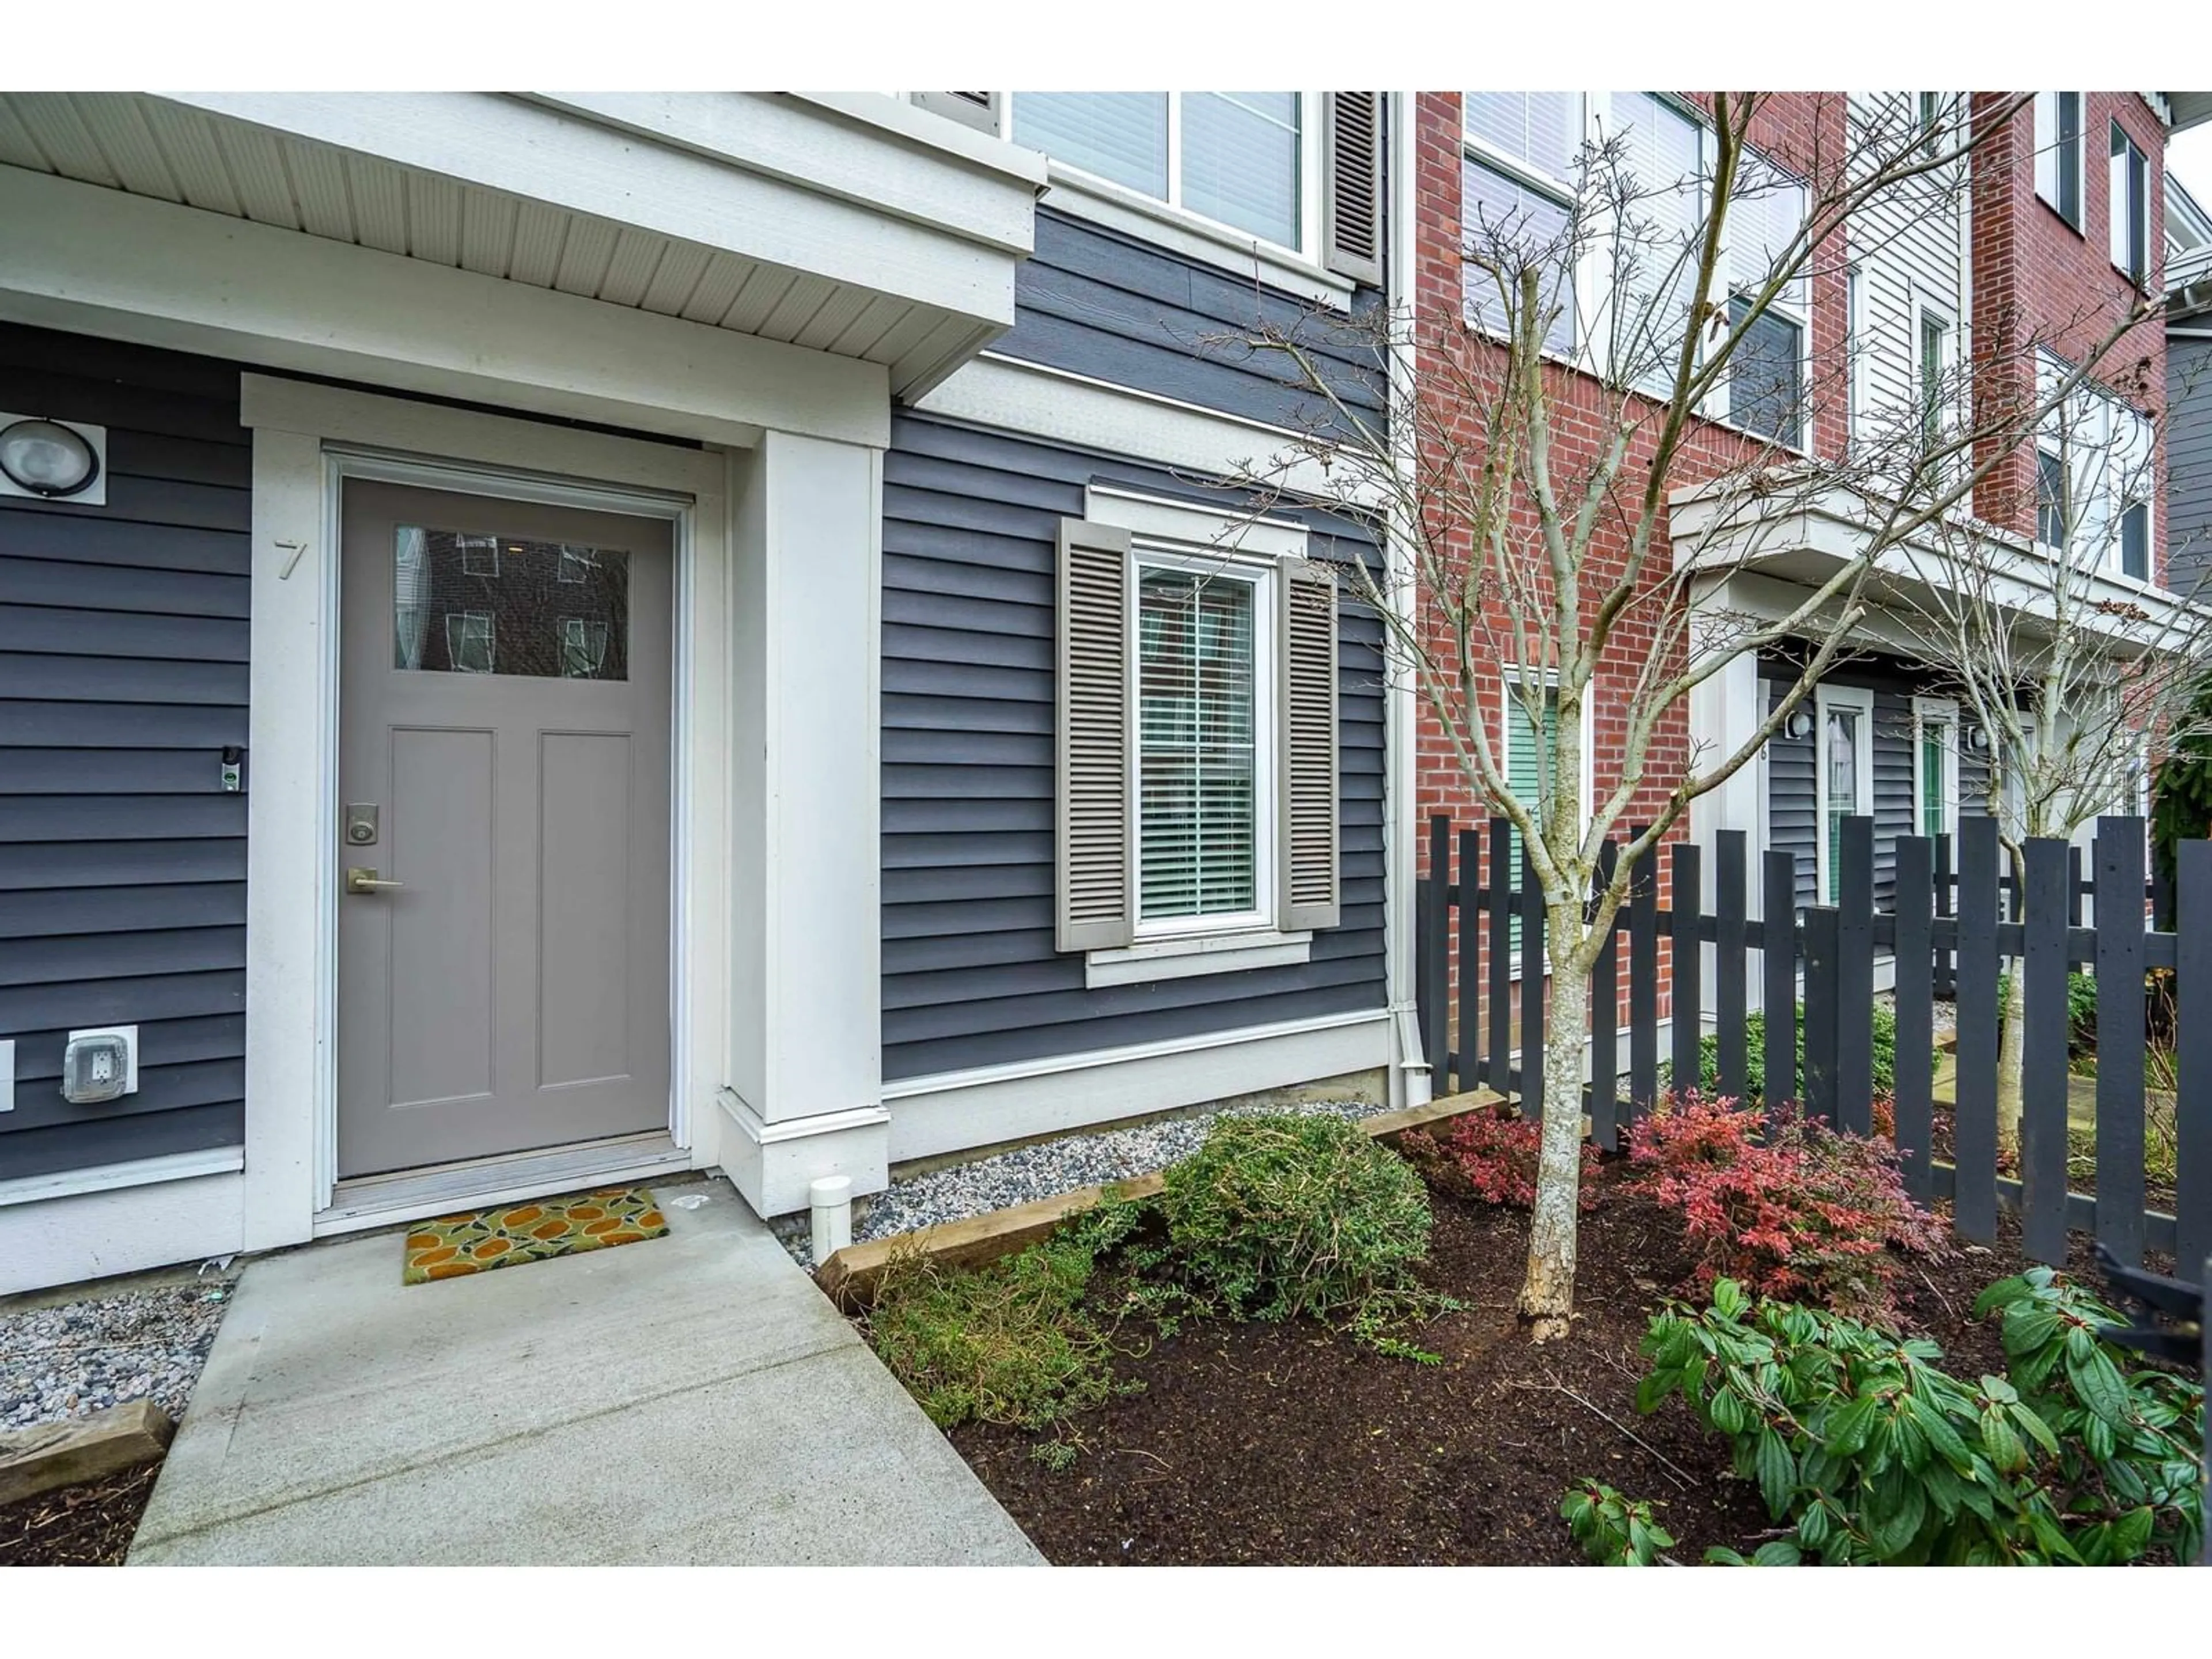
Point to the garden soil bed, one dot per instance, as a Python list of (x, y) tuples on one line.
[(1284, 1445), (86, 1526)]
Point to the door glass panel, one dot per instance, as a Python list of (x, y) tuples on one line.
[(468, 604), (1843, 788)]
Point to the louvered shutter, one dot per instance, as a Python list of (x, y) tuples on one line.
[(1352, 185), (982, 111), (1306, 858), (1094, 889)]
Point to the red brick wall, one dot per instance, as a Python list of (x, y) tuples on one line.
[(2032, 272), (2038, 278), (1803, 131)]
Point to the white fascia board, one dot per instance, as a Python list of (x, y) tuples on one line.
[(696, 179), (134, 268), (836, 145), (1039, 402), (1737, 535)]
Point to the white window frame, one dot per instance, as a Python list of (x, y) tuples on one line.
[(1169, 532), (2092, 500), (1260, 576), (1942, 711), (1825, 698), (2052, 163), (1509, 705), (1793, 304), (1517, 171), (2121, 228), (1299, 269), (1927, 307), (1858, 301)]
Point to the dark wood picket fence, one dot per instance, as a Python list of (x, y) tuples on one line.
[(1948, 934)]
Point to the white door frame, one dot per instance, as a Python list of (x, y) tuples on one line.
[(308, 439)]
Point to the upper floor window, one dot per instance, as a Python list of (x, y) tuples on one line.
[(2130, 207), (2059, 152), (1517, 187), (2095, 482), (1622, 289), (1237, 158), (1766, 376)]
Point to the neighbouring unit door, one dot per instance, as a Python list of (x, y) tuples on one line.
[(503, 790)]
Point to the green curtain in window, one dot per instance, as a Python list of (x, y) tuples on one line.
[(1525, 757)]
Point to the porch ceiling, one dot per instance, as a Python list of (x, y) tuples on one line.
[(374, 172)]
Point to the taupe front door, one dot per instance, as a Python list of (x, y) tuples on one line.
[(503, 903)]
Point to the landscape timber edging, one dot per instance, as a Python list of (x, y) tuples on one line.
[(848, 1277)]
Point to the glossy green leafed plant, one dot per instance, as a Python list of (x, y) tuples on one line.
[(1614, 1531), (1857, 1441), (1870, 1454), (2127, 1472)]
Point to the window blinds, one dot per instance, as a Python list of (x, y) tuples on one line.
[(1198, 826), (1122, 136), (1239, 160)]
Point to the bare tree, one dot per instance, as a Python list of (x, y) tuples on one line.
[(1562, 509), (2075, 681)]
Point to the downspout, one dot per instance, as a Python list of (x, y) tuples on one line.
[(1410, 1082)]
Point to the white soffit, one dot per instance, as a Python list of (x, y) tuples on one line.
[(414, 176)]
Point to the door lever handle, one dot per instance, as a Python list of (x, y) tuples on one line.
[(365, 881)]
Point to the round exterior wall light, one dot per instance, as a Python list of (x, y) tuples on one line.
[(48, 459), (1798, 726)]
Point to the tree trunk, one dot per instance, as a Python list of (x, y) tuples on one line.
[(1548, 1294), (2012, 1036), (2012, 1044)]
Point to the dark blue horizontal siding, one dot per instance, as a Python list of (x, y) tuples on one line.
[(970, 975), (1792, 797), (122, 676), (2189, 461), (1118, 309)]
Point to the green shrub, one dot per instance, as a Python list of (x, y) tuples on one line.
[(1009, 1343), (1276, 1216), (1614, 1531), (2130, 1437), (1871, 1455)]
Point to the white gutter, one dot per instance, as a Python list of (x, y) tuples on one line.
[(1411, 1084)]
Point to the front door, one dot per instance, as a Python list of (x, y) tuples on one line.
[(503, 777)]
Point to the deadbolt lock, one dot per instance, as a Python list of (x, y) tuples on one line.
[(360, 825)]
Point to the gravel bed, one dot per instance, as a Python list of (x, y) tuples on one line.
[(1038, 1171), (76, 1357), (1943, 1016)]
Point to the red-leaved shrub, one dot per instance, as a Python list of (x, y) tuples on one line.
[(1808, 1213), (1489, 1156)]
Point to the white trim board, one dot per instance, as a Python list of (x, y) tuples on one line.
[(954, 1110), (1037, 401), (291, 971), (110, 1177), (132, 268), (122, 1230)]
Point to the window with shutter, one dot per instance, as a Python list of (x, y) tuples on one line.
[(1093, 892), (1311, 896), (1352, 185), (1198, 750), (1197, 736), (983, 111)]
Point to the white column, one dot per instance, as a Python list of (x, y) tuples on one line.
[(1724, 711), (291, 778), (805, 1081)]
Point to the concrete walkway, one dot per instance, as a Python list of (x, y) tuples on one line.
[(692, 1400)]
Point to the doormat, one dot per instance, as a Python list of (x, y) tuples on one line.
[(506, 1234)]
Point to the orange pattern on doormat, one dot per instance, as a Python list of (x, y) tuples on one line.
[(481, 1240)]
